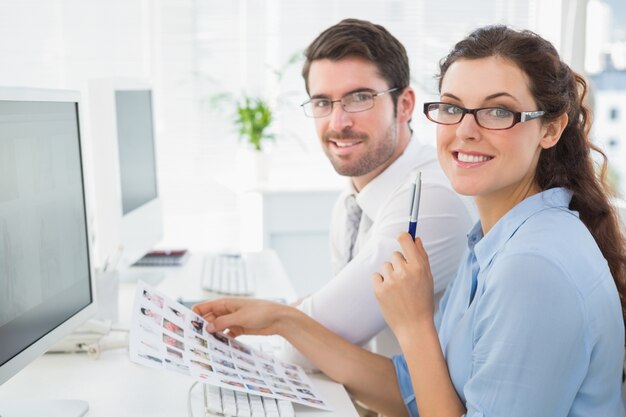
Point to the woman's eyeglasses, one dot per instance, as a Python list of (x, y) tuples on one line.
[(493, 118)]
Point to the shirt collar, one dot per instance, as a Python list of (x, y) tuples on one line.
[(485, 247), (376, 193)]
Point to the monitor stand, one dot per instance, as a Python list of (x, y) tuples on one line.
[(48, 408)]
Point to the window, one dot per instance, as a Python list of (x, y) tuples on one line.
[(192, 50), (605, 65), (612, 143)]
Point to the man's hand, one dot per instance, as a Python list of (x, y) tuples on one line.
[(241, 315)]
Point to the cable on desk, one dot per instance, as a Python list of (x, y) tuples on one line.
[(189, 409)]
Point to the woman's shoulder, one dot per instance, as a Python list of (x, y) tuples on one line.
[(556, 231), (557, 237)]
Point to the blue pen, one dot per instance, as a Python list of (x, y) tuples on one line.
[(415, 204)]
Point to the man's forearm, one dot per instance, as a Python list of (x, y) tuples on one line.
[(369, 377)]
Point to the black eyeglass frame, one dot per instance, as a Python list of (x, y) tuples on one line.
[(332, 102), (518, 116)]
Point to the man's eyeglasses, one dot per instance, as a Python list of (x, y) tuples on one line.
[(351, 103), (493, 118)]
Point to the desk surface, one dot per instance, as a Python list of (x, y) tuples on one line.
[(114, 386)]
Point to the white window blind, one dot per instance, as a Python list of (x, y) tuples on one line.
[(192, 50), (240, 44)]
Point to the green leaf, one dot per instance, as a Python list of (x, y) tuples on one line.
[(252, 118)]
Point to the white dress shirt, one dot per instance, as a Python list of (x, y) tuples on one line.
[(347, 304)]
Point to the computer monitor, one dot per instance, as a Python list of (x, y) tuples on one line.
[(46, 287), (128, 207)]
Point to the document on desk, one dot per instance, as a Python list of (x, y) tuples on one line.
[(165, 334)]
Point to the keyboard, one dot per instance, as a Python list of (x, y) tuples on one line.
[(228, 274), (228, 403)]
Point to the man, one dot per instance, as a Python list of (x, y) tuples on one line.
[(357, 77)]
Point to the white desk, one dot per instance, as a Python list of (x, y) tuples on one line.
[(114, 386)]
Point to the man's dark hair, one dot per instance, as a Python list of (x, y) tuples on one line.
[(366, 40)]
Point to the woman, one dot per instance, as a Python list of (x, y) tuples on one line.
[(532, 325)]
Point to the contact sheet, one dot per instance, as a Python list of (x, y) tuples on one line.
[(165, 334)]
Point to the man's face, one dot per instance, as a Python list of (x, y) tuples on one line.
[(359, 145)]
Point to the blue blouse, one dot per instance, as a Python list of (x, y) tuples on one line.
[(532, 325)]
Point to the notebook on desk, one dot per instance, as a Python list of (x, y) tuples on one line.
[(163, 258)]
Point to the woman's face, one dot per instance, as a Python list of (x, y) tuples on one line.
[(489, 163)]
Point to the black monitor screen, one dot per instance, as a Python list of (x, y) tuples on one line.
[(44, 262), (136, 148)]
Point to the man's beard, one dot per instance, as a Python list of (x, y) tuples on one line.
[(375, 157)]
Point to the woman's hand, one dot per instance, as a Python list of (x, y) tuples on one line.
[(404, 287), (241, 316)]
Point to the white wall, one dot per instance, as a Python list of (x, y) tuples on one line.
[(64, 43), (193, 49)]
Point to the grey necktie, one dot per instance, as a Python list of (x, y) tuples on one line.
[(353, 218)]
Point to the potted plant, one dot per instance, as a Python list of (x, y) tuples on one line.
[(252, 118)]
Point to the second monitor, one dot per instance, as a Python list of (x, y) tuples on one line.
[(128, 207)]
